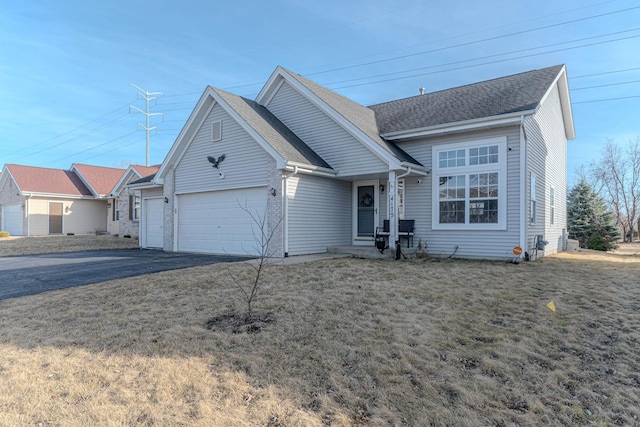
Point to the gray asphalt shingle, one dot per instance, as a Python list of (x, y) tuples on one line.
[(358, 115), (512, 94), (272, 130)]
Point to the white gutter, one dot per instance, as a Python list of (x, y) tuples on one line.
[(523, 188), (315, 170), (285, 208), (466, 125)]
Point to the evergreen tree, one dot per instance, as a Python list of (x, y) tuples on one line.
[(588, 215)]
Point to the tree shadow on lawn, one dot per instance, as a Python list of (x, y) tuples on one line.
[(356, 341)]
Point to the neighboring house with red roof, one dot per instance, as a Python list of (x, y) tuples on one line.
[(37, 201), (124, 203)]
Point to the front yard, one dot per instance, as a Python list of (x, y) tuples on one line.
[(56, 244), (354, 342)]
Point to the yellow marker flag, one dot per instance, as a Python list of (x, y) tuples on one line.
[(551, 306)]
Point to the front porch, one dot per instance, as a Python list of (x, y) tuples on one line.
[(371, 252)]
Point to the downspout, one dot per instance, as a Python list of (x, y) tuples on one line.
[(285, 215), (26, 207), (523, 188)]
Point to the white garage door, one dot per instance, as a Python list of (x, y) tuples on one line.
[(153, 222), (12, 219), (215, 222)]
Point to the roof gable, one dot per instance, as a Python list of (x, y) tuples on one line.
[(516, 94), (271, 134), (30, 179), (131, 174), (272, 130), (357, 119), (100, 180)]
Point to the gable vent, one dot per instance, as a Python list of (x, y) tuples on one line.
[(216, 130)]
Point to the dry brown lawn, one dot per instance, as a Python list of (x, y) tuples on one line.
[(57, 244), (355, 342)]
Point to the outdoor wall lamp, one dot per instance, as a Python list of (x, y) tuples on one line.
[(166, 200), (272, 191), (382, 188)]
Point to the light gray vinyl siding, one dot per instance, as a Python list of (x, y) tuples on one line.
[(319, 214), (245, 163), (328, 139), (546, 155), (497, 244)]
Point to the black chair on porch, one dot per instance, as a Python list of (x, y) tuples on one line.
[(382, 236), (405, 230)]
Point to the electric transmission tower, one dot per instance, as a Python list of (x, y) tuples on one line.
[(147, 96)]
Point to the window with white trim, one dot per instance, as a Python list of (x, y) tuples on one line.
[(216, 130), (552, 206), (134, 207), (532, 197), (469, 185)]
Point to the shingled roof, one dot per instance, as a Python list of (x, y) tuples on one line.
[(358, 115), (98, 179), (512, 94), (31, 179), (272, 130)]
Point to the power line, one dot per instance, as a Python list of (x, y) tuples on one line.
[(473, 42), (484, 30), (605, 100), (486, 63), (605, 72), (483, 57), (90, 132), (606, 85)]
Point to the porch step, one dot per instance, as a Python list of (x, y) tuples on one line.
[(370, 252)]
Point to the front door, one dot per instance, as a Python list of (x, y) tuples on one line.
[(55, 218), (365, 195)]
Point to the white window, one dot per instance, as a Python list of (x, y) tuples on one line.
[(469, 185), (532, 197), (216, 130), (134, 207), (552, 204)]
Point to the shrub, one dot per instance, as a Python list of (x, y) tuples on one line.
[(70, 234), (596, 242), (4, 234)]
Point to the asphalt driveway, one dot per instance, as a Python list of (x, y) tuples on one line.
[(33, 274)]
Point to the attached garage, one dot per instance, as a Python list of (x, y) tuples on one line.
[(153, 223), (216, 221), (12, 219)]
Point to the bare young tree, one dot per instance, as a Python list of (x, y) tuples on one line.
[(263, 236), (617, 175)]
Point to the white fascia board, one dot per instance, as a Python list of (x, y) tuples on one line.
[(6, 175), (415, 168), (352, 129), (565, 101), (271, 87), (76, 171), (126, 177), (177, 147), (280, 161), (467, 125), (143, 186), (310, 169), (58, 196)]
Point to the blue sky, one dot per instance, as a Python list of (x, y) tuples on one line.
[(66, 66)]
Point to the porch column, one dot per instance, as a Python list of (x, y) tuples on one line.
[(392, 191)]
